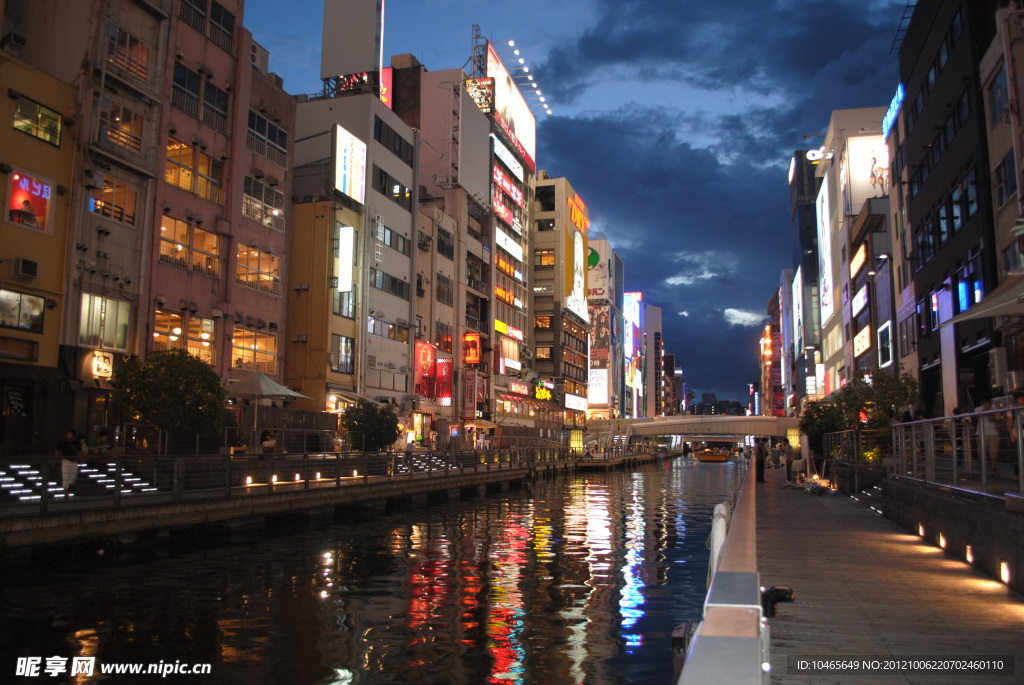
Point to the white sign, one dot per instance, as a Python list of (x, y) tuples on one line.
[(860, 300), (575, 402), (346, 257), (507, 158), (507, 243), (597, 391)]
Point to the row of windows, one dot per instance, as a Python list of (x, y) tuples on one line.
[(386, 185), (445, 293), (1004, 180), (386, 136), (267, 139), (258, 270), (263, 203), (956, 28), (393, 239), (189, 91), (943, 140), (115, 200), (389, 284), (189, 247), (950, 215), (222, 22), (127, 54), (121, 127), (181, 331), (345, 303), (189, 169), (386, 329), (544, 257), (443, 335), (21, 311)]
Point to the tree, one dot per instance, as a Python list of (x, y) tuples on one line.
[(819, 419), (174, 390), (372, 425)]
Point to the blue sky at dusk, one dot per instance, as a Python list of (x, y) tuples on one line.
[(673, 119)]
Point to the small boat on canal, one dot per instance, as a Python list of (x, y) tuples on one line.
[(712, 455)]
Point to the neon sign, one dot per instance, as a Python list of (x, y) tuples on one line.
[(541, 393), (578, 213), (510, 331), (894, 108), (509, 268), (506, 184)]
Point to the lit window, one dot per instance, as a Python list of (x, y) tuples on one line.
[(37, 120)]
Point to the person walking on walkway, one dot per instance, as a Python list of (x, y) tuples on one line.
[(787, 455), (760, 455), (69, 450)]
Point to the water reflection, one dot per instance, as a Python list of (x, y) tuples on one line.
[(572, 580)]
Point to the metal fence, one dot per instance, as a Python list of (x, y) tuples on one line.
[(36, 483), (981, 452)]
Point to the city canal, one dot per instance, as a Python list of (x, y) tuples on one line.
[(575, 579)]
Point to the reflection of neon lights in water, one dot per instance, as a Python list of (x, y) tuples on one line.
[(505, 623), (632, 599)]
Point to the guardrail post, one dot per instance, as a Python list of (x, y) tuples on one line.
[(178, 478), (44, 497), (118, 482), (227, 475), (305, 470)]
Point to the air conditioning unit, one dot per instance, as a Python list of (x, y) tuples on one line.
[(371, 360), (391, 365), (404, 369), (26, 268), (272, 325)]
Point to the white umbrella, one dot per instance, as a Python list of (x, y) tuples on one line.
[(259, 386)]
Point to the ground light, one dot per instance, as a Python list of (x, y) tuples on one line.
[(920, 529), (969, 554), (248, 480), (942, 541), (1004, 572)]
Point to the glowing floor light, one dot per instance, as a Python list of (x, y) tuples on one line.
[(969, 554), (1004, 572)]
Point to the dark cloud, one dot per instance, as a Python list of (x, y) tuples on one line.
[(692, 194)]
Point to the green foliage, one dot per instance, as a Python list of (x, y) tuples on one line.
[(373, 427), (174, 390), (860, 405)]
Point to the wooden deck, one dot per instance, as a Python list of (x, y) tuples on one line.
[(866, 587)]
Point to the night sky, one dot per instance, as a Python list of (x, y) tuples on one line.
[(673, 119)]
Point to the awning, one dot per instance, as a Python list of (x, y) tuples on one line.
[(1006, 300)]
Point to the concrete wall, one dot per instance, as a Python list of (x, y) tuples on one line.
[(994, 533)]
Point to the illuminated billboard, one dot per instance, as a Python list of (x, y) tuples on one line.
[(862, 341), (866, 171), (482, 92), (511, 112), (346, 258), (471, 348), (576, 276), (597, 390), (349, 165), (597, 270), (501, 180), (600, 335), (825, 253)]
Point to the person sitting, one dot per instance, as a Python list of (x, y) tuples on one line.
[(101, 444), (269, 440)]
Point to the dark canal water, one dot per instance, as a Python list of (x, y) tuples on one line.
[(578, 579)]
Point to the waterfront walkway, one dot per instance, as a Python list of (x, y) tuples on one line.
[(867, 587)]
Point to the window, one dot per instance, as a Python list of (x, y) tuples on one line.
[(29, 201), (956, 209), (345, 303), (253, 350), (943, 55), (386, 329), (168, 331), (194, 171), (443, 335), (120, 127), (267, 139), (389, 284), (185, 93), (1004, 181), (193, 13), (445, 244), (258, 270), (963, 108), (189, 247), (115, 200), (21, 311), (971, 193), (386, 136), (37, 120), (998, 96), (263, 203), (128, 55), (200, 338), (222, 27), (543, 257), (343, 354), (957, 27), (544, 352), (943, 228), (445, 293), (542, 322), (384, 184), (105, 322), (215, 108)]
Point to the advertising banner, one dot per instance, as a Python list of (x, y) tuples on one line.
[(349, 165), (511, 112)]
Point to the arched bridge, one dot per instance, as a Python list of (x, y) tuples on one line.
[(696, 425)]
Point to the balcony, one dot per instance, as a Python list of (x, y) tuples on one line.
[(261, 147), (185, 101), (259, 282), (121, 142), (127, 67), (222, 39), (262, 214), (216, 120)]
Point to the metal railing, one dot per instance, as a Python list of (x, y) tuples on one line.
[(981, 452), (34, 484)]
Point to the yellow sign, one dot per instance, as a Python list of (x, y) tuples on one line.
[(862, 341)]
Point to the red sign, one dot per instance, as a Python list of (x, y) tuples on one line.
[(443, 382), (510, 135), (426, 369), (505, 214), (505, 183), (519, 388), (386, 75)]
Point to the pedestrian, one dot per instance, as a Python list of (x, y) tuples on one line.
[(787, 456), (102, 444), (988, 436), (69, 450), (760, 455)]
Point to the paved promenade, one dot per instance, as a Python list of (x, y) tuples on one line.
[(869, 588)]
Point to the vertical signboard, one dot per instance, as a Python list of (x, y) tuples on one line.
[(349, 165), (825, 252)]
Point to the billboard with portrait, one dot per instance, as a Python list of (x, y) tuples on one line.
[(866, 172), (600, 335), (511, 112)]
